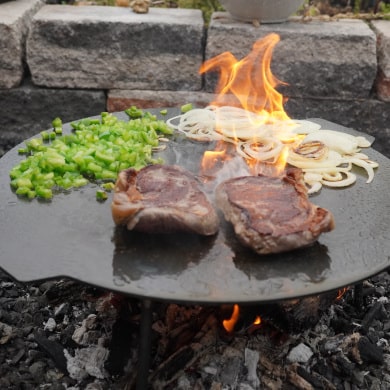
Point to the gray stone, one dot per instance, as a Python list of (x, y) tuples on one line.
[(382, 29), (15, 17), (113, 47), (317, 58), (26, 110)]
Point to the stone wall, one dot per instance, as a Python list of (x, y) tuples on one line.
[(74, 62)]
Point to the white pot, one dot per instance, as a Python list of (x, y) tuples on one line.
[(265, 11)]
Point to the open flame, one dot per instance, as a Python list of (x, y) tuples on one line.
[(212, 159), (341, 293), (249, 83), (229, 324)]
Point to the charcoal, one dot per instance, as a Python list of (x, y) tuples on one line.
[(350, 344), (18, 356), (369, 352), (53, 349), (376, 311), (37, 370), (343, 365), (175, 363), (314, 380)]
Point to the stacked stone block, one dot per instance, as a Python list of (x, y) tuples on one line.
[(15, 17), (113, 47), (74, 62), (382, 29)]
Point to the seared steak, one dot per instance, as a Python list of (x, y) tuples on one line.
[(272, 214), (162, 199)]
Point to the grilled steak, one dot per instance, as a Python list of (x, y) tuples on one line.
[(272, 214), (162, 199)]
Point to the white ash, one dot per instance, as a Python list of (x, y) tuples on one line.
[(251, 360), (50, 324), (86, 362), (80, 335), (300, 354)]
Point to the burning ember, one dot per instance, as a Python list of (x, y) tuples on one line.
[(248, 113)]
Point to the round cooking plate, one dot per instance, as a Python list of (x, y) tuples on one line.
[(74, 236)]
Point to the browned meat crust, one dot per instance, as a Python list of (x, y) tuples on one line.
[(272, 214), (162, 199)]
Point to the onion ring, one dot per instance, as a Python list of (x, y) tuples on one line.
[(326, 156)]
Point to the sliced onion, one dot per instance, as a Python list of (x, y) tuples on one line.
[(349, 179), (340, 142), (264, 150), (363, 142), (325, 156), (333, 176), (333, 160), (197, 124), (330, 170), (311, 177), (364, 157), (305, 126), (314, 187), (313, 182), (314, 150), (363, 164), (246, 132)]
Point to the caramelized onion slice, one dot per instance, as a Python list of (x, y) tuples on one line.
[(340, 142), (264, 150), (332, 160)]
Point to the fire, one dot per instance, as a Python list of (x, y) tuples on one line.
[(211, 158), (281, 161), (249, 83), (341, 293), (231, 322)]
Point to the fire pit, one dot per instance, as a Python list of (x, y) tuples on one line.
[(74, 236)]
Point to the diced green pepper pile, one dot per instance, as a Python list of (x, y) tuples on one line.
[(96, 150)]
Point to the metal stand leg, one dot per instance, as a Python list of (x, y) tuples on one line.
[(358, 295), (144, 349)]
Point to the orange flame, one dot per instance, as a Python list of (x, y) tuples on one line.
[(341, 293), (249, 83), (257, 321), (231, 322), (210, 158), (281, 162)]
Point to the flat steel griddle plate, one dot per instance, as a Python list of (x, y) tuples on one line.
[(74, 236)]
